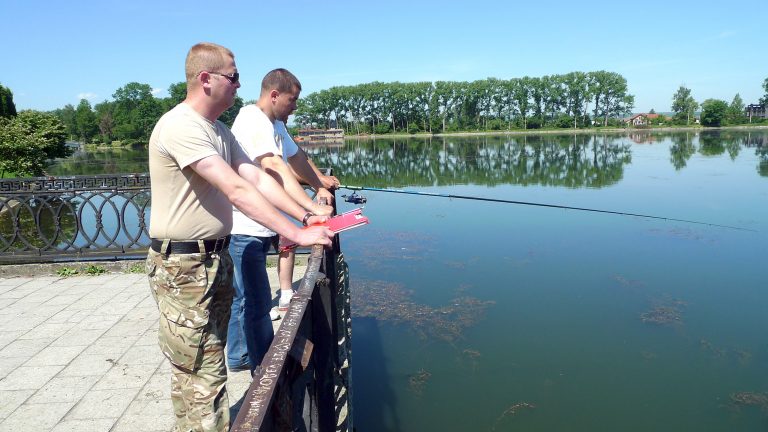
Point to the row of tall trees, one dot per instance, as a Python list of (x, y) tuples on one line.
[(573, 100), (576, 99)]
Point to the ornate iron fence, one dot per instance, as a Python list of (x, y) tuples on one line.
[(80, 217)]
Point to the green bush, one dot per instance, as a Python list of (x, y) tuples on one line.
[(563, 121), (29, 140), (382, 128), (94, 270), (67, 272)]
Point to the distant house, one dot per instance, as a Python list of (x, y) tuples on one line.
[(320, 135), (637, 120), (641, 120), (755, 111)]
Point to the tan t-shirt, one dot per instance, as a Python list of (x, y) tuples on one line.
[(184, 205)]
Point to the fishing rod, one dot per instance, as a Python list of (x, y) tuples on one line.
[(361, 199)]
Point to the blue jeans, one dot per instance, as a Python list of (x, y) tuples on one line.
[(250, 328)]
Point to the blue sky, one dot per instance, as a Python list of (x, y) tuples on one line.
[(56, 52)]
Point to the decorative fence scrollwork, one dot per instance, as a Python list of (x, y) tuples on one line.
[(79, 217)]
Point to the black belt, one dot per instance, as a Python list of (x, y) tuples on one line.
[(191, 246)]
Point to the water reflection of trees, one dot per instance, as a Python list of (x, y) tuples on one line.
[(30, 223), (711, 143), (681, 150), (557, 160), (760, 142), (762, 166), (716, 143), (103, 161)]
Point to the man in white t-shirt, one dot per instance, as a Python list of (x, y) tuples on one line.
[(305, 169), (254, 129)]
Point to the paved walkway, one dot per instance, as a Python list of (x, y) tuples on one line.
[(81, 354)]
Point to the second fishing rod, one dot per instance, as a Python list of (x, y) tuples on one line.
[(361, 199)]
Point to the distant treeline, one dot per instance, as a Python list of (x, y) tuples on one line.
[(573, 100), (576, 99)]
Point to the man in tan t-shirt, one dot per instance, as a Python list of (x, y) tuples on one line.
[(198, 172)]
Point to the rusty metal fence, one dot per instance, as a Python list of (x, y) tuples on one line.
[(304, 382)]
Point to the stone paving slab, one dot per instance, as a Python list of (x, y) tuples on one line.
[(80, 354)]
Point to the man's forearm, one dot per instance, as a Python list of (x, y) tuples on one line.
[(275, 167), (271, 190), (306, 170)]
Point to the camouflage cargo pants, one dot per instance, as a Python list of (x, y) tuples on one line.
[(194, 295)]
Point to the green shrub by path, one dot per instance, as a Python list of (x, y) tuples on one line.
[(89, 270), (94, 270), (67, 272)]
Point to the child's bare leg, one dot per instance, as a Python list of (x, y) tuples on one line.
[(285, 265)]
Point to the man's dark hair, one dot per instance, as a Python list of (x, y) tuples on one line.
[(280, 80)]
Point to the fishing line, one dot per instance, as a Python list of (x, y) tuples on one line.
[(528, 203)]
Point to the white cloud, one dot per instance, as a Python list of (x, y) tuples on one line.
[(157, 91)]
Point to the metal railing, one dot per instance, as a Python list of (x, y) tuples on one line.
[(304, 382), (79, 217)]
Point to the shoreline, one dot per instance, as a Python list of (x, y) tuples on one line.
[(555, 132)]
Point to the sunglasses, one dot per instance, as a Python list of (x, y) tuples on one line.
[(234, 78)]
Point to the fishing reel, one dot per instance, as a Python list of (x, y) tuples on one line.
[(355, 198)]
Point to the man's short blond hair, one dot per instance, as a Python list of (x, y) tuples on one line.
[(281, 80), (206, 56)]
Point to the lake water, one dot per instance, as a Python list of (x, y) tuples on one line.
[(473, 315)]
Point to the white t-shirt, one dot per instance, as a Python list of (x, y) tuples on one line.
[(289, 146), (258, 136)]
